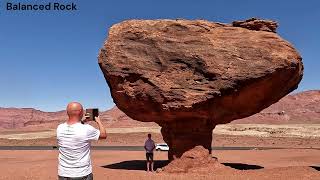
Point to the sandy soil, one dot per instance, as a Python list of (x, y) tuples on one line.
[(137, 139), (267, 130), (255, 164), (243, 135), (258, 130), (266, 164)]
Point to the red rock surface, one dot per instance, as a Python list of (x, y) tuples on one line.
[(189, 76), (257, 25), (197, 160)]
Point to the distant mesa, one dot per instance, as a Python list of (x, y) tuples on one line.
[(32, 119), (299, 108)]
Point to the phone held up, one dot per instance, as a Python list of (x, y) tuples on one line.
[(90, 115)]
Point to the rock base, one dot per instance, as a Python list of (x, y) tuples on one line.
[(195, 160), (181, 136)]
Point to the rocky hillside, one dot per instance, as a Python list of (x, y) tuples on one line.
[(300, 108), (32, 119), (12, 118)]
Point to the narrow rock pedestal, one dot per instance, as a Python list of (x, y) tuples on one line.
[(182, 136)]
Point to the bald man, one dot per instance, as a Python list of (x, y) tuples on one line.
[(74, 141)]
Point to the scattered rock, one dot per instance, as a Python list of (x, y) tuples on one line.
[(257, 24), (159, 170)]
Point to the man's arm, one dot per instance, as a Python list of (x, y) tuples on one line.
[(145, 145), (154, 146), (103, 132)]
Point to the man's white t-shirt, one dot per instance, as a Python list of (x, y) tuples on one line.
[(149, 144), (74, 149)]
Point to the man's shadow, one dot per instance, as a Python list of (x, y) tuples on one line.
[(141, 165)]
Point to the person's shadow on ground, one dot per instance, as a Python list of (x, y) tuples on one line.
[(316, 167), (141, 165), (241, 166), (136, 165)]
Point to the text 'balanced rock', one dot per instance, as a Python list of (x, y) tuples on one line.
[(190, 75)]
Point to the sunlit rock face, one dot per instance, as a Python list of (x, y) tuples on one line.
[(190, 75)]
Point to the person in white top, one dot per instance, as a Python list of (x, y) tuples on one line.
[(74, 141), (149, 146)]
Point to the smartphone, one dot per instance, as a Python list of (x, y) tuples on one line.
[(91, 114)]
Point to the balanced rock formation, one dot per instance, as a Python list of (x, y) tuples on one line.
[(190, 75)]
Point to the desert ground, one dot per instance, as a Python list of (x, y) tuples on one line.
[(281, 142), (238, 135), (251, 164), (298, 157)]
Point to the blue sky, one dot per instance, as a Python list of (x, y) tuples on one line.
[(50, 58)]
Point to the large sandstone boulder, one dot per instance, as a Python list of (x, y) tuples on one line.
[(188, 76)]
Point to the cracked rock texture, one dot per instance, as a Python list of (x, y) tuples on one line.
[(190, 75)]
